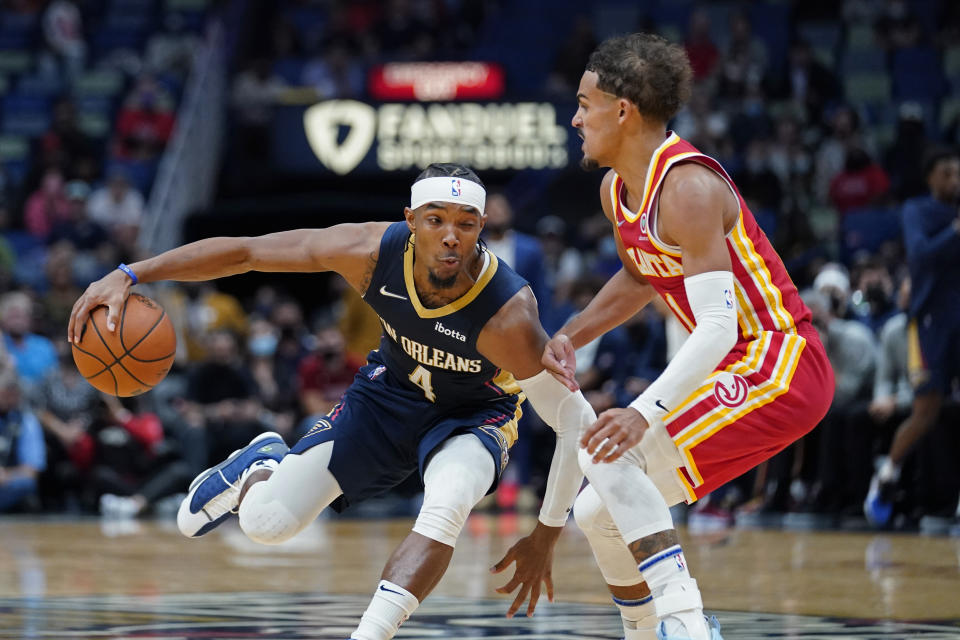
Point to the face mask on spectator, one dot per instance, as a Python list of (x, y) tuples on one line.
[(263, 345)]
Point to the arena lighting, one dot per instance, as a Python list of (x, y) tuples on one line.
[(430, 81)]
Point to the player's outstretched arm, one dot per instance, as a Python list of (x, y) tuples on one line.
[(349, 249), (622, 297), (513, 340)]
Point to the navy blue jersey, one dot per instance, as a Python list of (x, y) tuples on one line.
[(933, 247), (435, 350)]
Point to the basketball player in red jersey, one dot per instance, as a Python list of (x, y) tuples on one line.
[(752, 377)]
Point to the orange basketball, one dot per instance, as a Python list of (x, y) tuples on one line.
[(135, 357)]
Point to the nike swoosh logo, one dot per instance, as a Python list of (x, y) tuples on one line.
[(660, 404), (620, 223), (384, 292), (383, 588)]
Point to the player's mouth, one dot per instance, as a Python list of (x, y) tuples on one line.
[(450, 261)]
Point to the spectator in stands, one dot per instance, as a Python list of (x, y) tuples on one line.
[(897, 26), (22, 453), (757, 180), (931, 226), (46, 206), (117, 205), (845, 133), (65, 405), (744, 61), (293, 344), (892, 393), (790, 159), (335, 74), (63, 31), (199, 309), (33, 354), (145, 122), (873, 301), (571, 58), (862, 183), (275, 390), (852, 349), (701, 124), (906, 174), (404, 33), (519, 250), (62, 291), (645, 355), (77, 228), (563, 264), (137, 465), (256, 92), (172, 48), (66, 139), (701, 50), (358, 322), (806, 81), (602, 363), (221, 405), (325, 373), (833, 281)]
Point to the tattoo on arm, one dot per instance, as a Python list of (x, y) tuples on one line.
[(368, 272), (653, 544)]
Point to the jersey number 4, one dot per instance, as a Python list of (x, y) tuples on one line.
[(422, 378)]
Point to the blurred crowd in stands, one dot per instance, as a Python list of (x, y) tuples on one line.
[(821, 111)]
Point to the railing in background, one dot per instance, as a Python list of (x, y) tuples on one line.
[(187, 174)]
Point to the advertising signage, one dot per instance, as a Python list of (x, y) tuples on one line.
[(350, 137), (427, 81)]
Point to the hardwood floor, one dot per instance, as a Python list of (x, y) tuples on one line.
[(842, 575)]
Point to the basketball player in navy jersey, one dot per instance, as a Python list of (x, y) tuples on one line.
[(439, 395), (931, 233)]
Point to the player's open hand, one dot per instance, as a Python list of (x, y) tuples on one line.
[(559, 358), (534, 558), (614, 432), (110, 291)]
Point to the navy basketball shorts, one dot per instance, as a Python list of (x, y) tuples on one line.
[(933, 353), (382, 432)]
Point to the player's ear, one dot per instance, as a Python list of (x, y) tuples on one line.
[(411, 219)]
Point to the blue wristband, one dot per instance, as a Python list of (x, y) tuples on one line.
[(127, 270)]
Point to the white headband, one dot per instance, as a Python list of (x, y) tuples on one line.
[(455, 190)]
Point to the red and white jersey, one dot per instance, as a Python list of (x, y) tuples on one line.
[(766, 298)]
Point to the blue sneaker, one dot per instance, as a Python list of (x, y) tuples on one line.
[(215, 494), (712, 624), (878, 506)]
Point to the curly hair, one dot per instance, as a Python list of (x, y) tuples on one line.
[(650, 72), (449, 170)]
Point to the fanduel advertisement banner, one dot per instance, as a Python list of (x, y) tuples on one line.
[(350, 137)]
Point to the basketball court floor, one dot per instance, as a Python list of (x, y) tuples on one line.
[(129, 579)]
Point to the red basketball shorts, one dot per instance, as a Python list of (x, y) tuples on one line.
[(765, 395)]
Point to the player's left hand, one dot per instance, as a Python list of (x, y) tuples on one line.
[(534, 558), (614, 432)]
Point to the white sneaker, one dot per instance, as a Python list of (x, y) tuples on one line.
[(215, 494)]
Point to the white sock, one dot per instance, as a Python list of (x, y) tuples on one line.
[(390, 606), (888, 471), (675, 594), (639, 618)]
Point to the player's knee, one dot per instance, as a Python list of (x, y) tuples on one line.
[(447, 502), (591, 515), (268, 523)]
